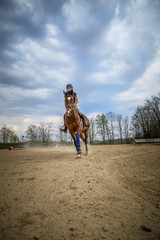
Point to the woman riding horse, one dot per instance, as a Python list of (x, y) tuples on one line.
[(72, 120), (70, 92)]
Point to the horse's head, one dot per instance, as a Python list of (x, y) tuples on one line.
[(69, 102)]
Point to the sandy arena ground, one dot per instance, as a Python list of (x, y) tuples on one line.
[(49, 194)]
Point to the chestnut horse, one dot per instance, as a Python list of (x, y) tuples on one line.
[(73, 122)]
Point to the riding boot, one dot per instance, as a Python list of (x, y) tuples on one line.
[(63, 129), (84, 121)]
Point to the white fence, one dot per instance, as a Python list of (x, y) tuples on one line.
[(152, 140)]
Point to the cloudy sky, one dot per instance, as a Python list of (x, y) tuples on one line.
[(108, 50)]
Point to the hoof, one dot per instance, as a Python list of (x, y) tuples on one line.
[(79, 154)]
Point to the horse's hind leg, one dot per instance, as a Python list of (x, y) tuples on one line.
[(85, 139)]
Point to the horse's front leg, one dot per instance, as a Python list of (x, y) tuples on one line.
[(78, 144), (76, 139), (73, 136)]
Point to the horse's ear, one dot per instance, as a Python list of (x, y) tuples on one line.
[(64, 92)]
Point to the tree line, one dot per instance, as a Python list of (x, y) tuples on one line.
[(35, 133), (104, 128), (144, 123), (39, 133), (7, 135), (107, 128), (146, 119)]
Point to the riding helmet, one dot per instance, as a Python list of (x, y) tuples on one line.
[(69, 86)]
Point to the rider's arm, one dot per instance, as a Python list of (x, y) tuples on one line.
[(76, 100)]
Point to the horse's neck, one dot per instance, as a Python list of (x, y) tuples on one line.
[(74, 114)]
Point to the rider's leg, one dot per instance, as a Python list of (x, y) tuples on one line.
[(64, 128), (81, 115), (84, 120)]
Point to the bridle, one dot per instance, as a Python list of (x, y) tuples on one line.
[(69, 104)]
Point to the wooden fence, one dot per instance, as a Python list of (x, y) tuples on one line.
[(151, 140)]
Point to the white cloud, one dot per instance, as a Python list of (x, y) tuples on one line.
[(78, 16), (40, 51), (27, 120), (16, 93), (117, 11), (143, 87), (115, 51), (52, 29), (105, 78), (15, 128), (123, 42), (110, 72), (126, 46), (41, 62), (25, 6), (93, 115), (99, 77)]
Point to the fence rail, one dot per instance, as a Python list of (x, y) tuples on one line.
[(152, 140)]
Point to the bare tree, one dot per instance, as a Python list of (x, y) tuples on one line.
[(102, 126), (62, 137), (41, 132), (31, 133), (119, 121), (44, 131), (126, 128), (92, 130), (13, 137), (6, 135), (153, 106), (146, 119), (111, 121)]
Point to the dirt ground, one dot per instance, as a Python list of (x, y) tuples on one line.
[(50, 194)]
